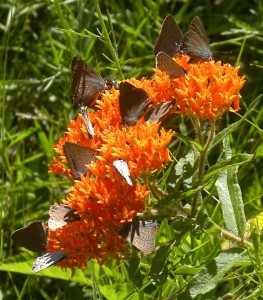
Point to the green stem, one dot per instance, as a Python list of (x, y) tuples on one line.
[(235, 239), (107, 39), (197, 125), (156, 191), (168, 212), (211, 136), (202, 158)]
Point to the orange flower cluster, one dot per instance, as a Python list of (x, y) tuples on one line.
[(143, 146), (207, 90), (102, 197), (103, 204)]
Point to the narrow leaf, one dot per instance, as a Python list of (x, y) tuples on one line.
[(233, 161), (133, 268), (159, 270), (224, 133), (230, 196), (259, 151), (211, 275)]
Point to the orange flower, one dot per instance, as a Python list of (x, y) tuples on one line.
[(106, 201), (82, 240), (144, 146), (207, 90), (104, 205), (103, 198)]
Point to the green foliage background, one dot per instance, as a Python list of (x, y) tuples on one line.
[(38, 41)]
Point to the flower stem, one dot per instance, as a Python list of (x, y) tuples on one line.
[(197, 125), (235, 239), (156, 191), (202, 157), (105, 35), (211, 137)]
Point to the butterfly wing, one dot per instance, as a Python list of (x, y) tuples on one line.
[(122, 168), (86, 84), (85, 115), (77, 157), (145, 241), (133, 102), (61, 215), (159, 112), (128, 230), (32, 237), (141, 234), (195, 42), (169, 38), (47, 260), (165, 63)]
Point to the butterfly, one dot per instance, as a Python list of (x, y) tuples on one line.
[(86, 84), (159, 112), (141, 234), (133, 102), (169, 38), (195, 42), (61, 215), (85, 115), (122, 168), (47, 260), (78, 157), (32, 237), (165, 63), (111, 82)]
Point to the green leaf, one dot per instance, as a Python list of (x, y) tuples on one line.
[(189, 141), (187, 270), (159, 271), (133, 268), (234, 161), (88, 34), (185, 168), (43, 139), (115, 291), (211, 275), (23, 264), (230, 196), (176, 196), (232, 127), (259, 151), (109, 283), (21, 136)]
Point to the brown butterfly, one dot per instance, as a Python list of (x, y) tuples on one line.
[(85, 115), (133, 102), (78, 157), (169, 38), (141, 234), (165, 63), (159, 112), (195, 42), (86, 84), (32, 237), (61, 215), (47, 260)]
